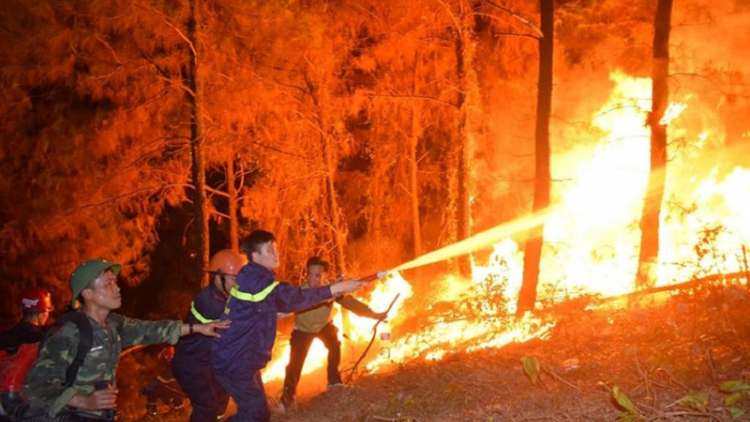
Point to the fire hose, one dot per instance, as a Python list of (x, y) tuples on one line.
[(372, 339)]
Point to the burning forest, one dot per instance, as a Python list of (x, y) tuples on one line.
[(556, 193)]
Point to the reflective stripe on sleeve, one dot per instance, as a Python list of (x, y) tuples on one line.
[(249, 297), (198, 315)]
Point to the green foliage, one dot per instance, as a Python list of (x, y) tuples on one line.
[(694, 400), (735, 413), (531, 367), (732, 399), (735, 387), (738, 390), (631, 413)]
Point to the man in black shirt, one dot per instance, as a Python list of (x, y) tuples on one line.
[(36, 304)]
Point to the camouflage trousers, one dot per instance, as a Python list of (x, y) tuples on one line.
[(15, 410), (65, 416)]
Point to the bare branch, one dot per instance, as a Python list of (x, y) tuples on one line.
[(412, 97), (217, 192), (109, 47), (447, 8), (151, 188), (171, 25), (513, 34), (219, 213), (517, 16)]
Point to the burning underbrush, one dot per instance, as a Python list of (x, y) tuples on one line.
[(667, 357), (677, 354)]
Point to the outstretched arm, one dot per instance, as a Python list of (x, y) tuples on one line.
[(292, 299), (360, 308), (347, 286), (208, 330)]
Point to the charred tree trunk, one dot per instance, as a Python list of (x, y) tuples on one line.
[(234, 225), (457, 167), (376, 213), (467, 79), (339, 236), (416, 133), (650, 223), (330, 162), (543, 180), (414, 186), (200, 204)]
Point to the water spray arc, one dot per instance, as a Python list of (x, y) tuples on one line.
[(474, 243)]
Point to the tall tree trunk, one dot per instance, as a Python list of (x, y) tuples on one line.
[(375, 212), (416, 133), (320, 97), (650, 224), (542, 181), (465, 51), (234, 225), (200, 204), (414, 184), (330, 160), (339, 234)]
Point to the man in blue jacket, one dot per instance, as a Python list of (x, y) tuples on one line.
[(244, 349), (191, 364)]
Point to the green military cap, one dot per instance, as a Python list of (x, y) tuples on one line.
[(85, 273)]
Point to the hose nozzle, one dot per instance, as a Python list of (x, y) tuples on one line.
[(373, 277)]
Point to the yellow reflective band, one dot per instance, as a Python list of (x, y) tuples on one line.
[(198, 315), (249, 297)]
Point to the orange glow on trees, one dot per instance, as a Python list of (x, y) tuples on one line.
[(339, 125)]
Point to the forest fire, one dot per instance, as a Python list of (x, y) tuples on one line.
[(592, 239), (564, 181)]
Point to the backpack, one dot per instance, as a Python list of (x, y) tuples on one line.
[(13, 367)]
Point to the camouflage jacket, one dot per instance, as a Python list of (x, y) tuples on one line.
[(44, 385)]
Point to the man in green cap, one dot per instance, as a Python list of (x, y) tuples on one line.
[(91, 394)]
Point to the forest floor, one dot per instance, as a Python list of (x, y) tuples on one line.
[(665, 360)]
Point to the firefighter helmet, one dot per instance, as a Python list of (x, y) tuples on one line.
[(226, 261), (36, 299)]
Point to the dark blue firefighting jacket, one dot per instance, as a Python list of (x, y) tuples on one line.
[(207, 306), (252, 307)]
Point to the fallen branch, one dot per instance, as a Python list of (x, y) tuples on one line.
[(399, 419), (698, 282), (559, 378), (372, 340)]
